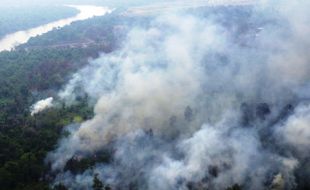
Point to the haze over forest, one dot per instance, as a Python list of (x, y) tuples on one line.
[(154, 95)]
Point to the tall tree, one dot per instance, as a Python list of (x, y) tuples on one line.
[(97, 184)]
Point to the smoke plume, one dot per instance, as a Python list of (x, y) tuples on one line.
[(198, 100), (41, 105)]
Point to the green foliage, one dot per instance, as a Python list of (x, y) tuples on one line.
[(34, 71), (25, 140), (23, 73), (78, 165), (104, 33), (97, 184)]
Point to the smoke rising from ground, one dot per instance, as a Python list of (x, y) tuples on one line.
[(41, 105), (198, 102)]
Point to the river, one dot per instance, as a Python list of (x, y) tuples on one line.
[(10, 41)]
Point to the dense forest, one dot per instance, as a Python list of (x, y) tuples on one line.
[(107, 31), (25, 77), (28, 74)]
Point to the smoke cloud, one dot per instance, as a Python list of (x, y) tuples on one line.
[(41, 105), (198, 101)]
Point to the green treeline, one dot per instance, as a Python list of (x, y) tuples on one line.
[(25, 140)]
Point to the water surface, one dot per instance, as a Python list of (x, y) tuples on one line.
[(12, 40)]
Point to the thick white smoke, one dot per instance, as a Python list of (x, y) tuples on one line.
[(41, 105), (198, 102), (296, 131)]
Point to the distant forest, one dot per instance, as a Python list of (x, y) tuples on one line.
[(30, 17)]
